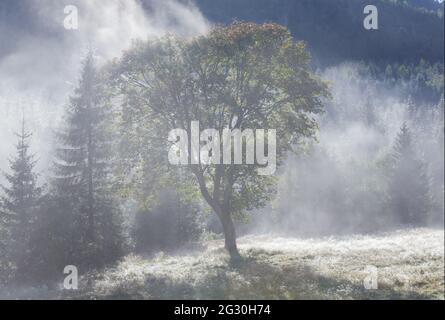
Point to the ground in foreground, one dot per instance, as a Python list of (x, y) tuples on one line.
[(409, 264)]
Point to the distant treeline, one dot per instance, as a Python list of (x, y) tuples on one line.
[(422, 82)]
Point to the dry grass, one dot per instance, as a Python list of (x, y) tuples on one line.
[(410, 266)]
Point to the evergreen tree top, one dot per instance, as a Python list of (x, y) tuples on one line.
[(403, 143), (22, 193)]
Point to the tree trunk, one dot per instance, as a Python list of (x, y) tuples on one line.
[(90, 186), (229, 235), (223, 215)]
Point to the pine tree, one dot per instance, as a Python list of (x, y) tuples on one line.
[(83, 184), (19, 202), (437, 165), (408, 186)]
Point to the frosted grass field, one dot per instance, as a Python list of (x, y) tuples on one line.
[(410, 266)]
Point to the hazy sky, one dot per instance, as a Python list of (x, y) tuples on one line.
[(39, 58)]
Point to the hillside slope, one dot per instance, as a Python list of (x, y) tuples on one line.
[(408, 31)]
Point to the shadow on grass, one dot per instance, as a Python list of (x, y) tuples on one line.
[(253, 278), (257, 279)]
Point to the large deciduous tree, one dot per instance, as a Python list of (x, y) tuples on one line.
[(243, 76)]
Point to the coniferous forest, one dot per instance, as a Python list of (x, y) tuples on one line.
[(123, 175)]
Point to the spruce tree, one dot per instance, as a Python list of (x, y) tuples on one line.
[(19, 203), (83, 183), (408, 185)]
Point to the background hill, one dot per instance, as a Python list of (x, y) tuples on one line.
[(408, 30)]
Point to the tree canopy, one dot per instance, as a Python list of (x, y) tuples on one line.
[(240, 76)]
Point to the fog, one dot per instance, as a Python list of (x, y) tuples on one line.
[(40, 59), (339, 183), (357, 130), (348, 181)]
